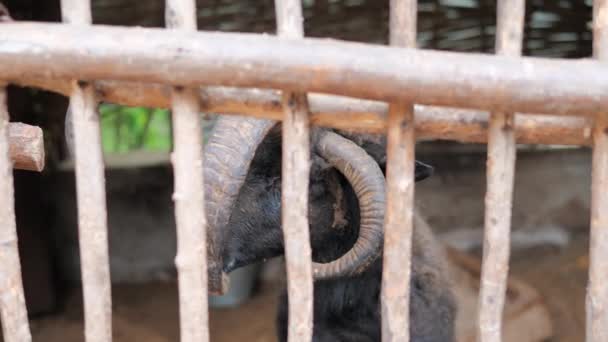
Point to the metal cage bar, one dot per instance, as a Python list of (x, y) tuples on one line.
[(597, 292), (504, 85), (496, 83), (400, 191), (187, 159), (13, 313), (26, 146), (294, 189), (344, 113), (500, 181), (91, 194)]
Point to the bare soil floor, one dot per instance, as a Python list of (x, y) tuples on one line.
[(150, 312)]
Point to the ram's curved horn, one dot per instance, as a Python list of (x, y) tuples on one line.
[(228, 154), (367, 180), (375, 145)]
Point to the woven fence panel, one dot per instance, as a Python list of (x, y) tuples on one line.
[(553, 28)]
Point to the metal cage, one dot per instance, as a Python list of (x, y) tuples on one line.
[(396, 90)]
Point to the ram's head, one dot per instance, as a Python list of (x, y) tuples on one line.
[(242, 176)]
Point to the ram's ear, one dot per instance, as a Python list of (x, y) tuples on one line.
[(266, 161), (5, 16), (422, 171)]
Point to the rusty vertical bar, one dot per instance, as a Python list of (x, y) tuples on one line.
[(295, 174), (187, 159), (91, 195), (499, 191), (597, 291), (400, 191), (13, 313)]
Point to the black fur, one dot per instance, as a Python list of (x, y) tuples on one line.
[(344, 309)]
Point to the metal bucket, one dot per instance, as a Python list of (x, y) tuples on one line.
[(242, 282)]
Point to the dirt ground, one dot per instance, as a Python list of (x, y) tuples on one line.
[(150, 312), (560, 276)]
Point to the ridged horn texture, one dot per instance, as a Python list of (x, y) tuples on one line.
[(367, 180), (228, 155)]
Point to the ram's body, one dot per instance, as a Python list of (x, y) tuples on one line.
[(243, 200)]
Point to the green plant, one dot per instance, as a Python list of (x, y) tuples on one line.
[(125, 129)]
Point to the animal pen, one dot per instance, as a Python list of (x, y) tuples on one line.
[(398, 90)]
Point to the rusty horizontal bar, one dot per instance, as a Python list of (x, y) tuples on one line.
[(398, 222), (13, 312), (26, 146), (597, 291), (486, 82), (191, 225), (294, 189), (342, 112), (90, 191)]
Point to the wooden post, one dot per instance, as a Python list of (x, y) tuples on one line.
[(91, 194), (187, 158), (597, 291), (294, 189), (400, 191), (499, 192), (13, 313)]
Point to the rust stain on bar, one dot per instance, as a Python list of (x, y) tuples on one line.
[(500, 180), (496, 83), (187, 158), (343, 112), (597, 291), (295, 179), (91, 194), (13, 313), (26, 143), (26, 146), (400, 192)]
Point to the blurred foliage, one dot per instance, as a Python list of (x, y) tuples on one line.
[(125, 129)]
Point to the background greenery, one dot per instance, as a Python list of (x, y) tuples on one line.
[(125, 129)]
